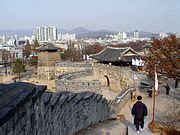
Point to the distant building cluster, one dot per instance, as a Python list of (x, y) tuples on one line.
[(120, 37), (11, 47), (15, 40), (50, 34), (45, 34), (14, 45)]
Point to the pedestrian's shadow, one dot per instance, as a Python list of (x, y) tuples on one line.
[(127, 123)]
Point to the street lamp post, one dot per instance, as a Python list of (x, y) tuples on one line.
[(4, 60), (1, 76), (152, 123), (155, 89)]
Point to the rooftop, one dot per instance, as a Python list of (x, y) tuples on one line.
[(13, 96), (48, 47), (112, 54)]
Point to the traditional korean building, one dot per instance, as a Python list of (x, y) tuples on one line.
[(116, 56), (48, 55)]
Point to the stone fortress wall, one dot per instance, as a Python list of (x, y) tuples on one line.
[(27, 109), (48, 58), (66, 82), (46, 73), (116, 77), (49, 73)]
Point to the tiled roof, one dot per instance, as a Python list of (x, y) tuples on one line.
[(111, 54), (13, 96), (47, 48)]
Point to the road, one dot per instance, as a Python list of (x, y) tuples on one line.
[(24, 75)]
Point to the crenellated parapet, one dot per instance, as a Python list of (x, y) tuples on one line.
[(29, 109)]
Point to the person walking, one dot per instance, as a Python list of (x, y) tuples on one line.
[(167, 89), (139, 111), (176, 83), (150, 92)]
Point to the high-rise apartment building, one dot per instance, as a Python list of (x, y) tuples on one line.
[(3, 39), (136, 34), (162, 35), (178, 35), (44, 33), (67, 37), (121, 35)]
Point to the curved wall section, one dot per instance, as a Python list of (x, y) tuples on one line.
[(116, 77), (30, 110), (66, 82)]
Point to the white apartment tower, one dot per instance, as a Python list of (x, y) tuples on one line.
[(136, 34), (121, 35), (67, 37), (44, 33), (162, 35)]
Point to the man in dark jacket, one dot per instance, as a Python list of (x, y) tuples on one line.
[(139, 111), (167, 89)]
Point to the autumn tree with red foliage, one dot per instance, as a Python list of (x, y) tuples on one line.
[(164, 55), (92, 49), (137, 46)]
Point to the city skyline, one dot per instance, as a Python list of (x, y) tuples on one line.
[(115, 15)]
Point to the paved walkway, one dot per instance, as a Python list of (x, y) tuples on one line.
[(167, 108), (126, 111), (108, 94), (114, 127)]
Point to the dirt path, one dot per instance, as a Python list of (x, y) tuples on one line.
[(106, 128), (49, 83), (167, 108), (110, 95), (5, 79)]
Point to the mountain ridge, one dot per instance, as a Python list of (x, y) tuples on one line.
[(80, 32)]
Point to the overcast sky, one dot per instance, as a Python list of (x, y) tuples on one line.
[(119, 15)]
